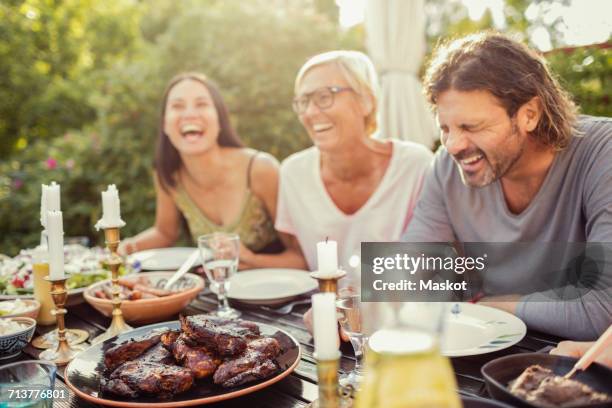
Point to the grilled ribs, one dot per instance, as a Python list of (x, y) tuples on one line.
[(129, 350), (136, 378), (157, 354), (169, 338), (198, 359), (255, 363), (223, 336), (167, 362)]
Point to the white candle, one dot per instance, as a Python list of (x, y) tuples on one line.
[(49, 201), (55, 231), (327, 258), (111, 214), (325, 326)]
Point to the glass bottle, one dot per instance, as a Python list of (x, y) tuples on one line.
[(42, 288), (403, 364)]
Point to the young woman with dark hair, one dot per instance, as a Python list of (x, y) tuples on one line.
[(204, 173)]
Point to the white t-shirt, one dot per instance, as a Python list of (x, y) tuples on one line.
[(306, 210)]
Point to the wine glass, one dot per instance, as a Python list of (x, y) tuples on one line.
[(220, 252), (348, 307)]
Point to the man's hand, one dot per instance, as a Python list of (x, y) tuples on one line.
[(577, 349), (308, 323)]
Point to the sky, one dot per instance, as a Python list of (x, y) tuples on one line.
[(586, 21)]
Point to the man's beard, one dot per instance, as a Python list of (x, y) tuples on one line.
[(493, 169)]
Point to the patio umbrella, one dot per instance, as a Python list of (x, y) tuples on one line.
[(396, 42)]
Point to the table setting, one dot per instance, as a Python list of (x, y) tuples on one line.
[(233, 338)]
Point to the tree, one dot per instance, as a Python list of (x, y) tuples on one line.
[(50, 52)]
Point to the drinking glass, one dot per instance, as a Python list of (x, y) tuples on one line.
[(348, 307), (29, 383), (220, 252), (404, 366)]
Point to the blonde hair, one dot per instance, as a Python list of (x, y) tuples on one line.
[(357, 69)]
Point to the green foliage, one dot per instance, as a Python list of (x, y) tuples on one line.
[(83, 163), (50, 52), (586, 73)]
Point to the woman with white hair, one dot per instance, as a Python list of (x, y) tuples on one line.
[(349, 187)]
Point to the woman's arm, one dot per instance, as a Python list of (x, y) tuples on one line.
[(264, 184), (163, 233)]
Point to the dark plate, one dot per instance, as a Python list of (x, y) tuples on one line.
[(471, 402), (85, 370), (499, 372)]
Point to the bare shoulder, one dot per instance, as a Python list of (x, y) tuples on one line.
[(265, 163), (264, 174)]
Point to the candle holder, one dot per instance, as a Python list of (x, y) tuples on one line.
[(329, 390), (327, 282), (64, 352), (50, 339), (118, 324)]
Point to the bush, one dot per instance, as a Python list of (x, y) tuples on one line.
[(585, 73), (83, 164)]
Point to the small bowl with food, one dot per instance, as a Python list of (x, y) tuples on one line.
[(144, 299), (15, 334), (536, 380), (20, 308)]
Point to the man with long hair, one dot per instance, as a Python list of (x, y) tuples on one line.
[(517, 165)]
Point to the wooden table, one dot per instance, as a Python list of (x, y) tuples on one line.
[(300, 388)]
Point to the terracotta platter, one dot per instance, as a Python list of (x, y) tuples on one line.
[(83, 374)]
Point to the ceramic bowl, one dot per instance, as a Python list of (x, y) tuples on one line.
[(12, 344), (32, 309), (145, 311), (499, 372)]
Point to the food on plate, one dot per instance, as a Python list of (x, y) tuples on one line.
[(10, 307), (8, 326), (133, 289), (225, 337), (135, 378), (541, 387), (255, 363), (116, 355), (84, 266), (228, 352), (202, 362)]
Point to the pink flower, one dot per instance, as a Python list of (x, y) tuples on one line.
[(51, 163), (17, 184)]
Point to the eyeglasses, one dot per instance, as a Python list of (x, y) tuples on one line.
[(323, 98)]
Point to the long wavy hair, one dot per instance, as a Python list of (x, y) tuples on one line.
[(510, 71), (167, 158)]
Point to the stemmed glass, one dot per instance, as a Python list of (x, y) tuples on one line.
[(220, 252), (348, 307)]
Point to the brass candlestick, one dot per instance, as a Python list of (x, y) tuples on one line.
[(328, 283), (64, 352), (118, 325), (329, 391)]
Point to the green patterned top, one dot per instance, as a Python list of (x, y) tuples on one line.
[(254, 225)]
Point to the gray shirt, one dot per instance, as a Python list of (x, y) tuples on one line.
[(574, 204)]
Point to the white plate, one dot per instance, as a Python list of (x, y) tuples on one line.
[(270, 286), (163, 259), (478, 329)]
